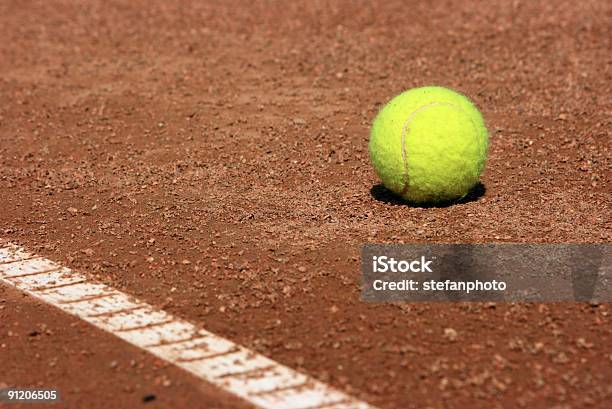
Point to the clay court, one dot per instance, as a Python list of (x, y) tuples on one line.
[(211, 159)]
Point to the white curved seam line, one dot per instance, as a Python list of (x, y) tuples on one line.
[(405, 129)]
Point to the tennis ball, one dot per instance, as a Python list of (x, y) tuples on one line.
[(429, 144)]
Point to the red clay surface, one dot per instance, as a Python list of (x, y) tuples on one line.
[(211, 158)]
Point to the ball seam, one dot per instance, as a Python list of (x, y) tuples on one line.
[(405, 128)]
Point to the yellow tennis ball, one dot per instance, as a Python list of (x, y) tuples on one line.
[(429, 144)]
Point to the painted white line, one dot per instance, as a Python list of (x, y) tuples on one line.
[(233, 368)]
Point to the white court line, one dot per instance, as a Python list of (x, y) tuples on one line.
[(233, 368)]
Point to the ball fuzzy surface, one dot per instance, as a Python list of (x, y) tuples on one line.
[(429, 145)]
